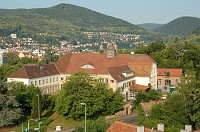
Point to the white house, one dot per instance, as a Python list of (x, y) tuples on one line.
[(46, 77)]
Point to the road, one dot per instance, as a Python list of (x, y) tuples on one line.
[(126, 118)]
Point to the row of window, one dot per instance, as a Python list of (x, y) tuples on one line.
[(50, 90), (44, 81), (128, 84), (167, 81), (103, 80)]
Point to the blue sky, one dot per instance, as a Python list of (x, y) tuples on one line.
[(134, 11)]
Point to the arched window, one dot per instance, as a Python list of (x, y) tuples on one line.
[(88, 66)]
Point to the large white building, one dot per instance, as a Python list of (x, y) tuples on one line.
[(121, 71)]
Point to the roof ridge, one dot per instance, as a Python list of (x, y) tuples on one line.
[(56, 67), (68, 61), (26, 71)]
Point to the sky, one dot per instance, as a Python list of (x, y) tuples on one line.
[(133, 11)]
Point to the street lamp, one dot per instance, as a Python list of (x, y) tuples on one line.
[(29, 123), (38, 109), (85, 114)]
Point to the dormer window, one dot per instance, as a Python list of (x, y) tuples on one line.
[(88, 66), (127, 73)]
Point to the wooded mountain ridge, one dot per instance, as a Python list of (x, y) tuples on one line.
[(180, 26), (61, 19)]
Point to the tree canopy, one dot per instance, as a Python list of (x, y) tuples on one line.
[(10, 111), (82, 88), (179, 109)]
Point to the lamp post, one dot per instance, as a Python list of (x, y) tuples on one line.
[(38, 110), (85, 114), (29, 123)]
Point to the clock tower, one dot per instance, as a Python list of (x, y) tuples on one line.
[(110, 51)]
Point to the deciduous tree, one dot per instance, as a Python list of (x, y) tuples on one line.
[(10, 111), (81, 87)]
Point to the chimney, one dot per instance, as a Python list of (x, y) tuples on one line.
[(140, 128), (41, 68), (160, 127), (188, 128)]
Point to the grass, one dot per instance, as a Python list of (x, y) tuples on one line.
[(17, 128), (59, 120)]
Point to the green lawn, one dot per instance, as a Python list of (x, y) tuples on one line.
[(59, 120)]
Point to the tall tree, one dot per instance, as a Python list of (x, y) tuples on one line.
[(10, 111), (24, 94), (98, 125), (81, 88)]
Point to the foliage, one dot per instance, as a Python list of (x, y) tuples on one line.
[(174, 111), (181, 108), (14, 60), (98, 125), (140, 115), (177, 54), (189, 89), (152, 94), (48, 101), (10, 112), (171, 113), (138, 100), (6, 70), (141, 96), (157, 112), (14, 63), (50, 56), (24, 94), (99, 99), (153, 47)]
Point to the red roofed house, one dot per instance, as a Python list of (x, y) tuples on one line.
[(119, 126), (168, 78), (46, 77), (118, 70)]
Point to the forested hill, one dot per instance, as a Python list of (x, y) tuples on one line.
[(180, 26), (61, 19), (84, 17), (150, 26), (196, 32)]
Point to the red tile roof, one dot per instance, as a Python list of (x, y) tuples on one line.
[(173, 72), (196, 131), (138, 87), (35, 71), (141, 68), (71, 63), (119, 126)]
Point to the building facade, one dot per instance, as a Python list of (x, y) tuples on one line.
[(168, 79)]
